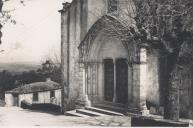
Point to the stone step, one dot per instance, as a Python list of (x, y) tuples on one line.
[(89, 113), (113, 104), (74, 113), (119, 109), (133, 110), (103, 111), (131, 114), (110, 108)]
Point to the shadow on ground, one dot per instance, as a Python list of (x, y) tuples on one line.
[(42, 108)]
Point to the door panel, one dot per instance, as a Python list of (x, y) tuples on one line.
[(122, 81), (15, 98), (108, 79)]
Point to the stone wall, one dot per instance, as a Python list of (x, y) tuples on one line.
[(96, 9), (27, 97), (75, 25), (153, 92), (71, 27), (43, 97), (58, 97), (9, 100)]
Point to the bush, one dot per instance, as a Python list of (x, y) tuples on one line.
[(2, 103)]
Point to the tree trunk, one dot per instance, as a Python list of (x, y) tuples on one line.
[(1, 5), (171, 110), (172, 105)]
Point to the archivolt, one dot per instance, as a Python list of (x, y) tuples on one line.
[(113, 28)]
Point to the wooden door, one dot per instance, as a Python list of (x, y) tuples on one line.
[(108, 80), (15, 98), (122, 81)]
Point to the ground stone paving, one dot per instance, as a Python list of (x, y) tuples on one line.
[(14, 116)]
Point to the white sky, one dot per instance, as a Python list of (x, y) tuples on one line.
[(36, 34)]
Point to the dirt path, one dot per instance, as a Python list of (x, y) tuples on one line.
[(14, 116)]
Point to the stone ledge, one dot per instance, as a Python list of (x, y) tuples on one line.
[(150, 121)]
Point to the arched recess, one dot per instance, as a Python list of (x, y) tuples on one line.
[(112, 28), (106, 39), (106, 34)]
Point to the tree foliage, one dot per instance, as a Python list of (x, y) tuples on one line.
[(168, 23), (5, 15)]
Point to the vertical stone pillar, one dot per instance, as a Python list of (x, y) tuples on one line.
[(65, 56), (86, 100), (143, 80), (136, 85), (101, 81), (139, 81), (84, 81)]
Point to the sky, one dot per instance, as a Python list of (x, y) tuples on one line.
[(36, 35)]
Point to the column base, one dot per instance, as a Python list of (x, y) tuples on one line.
[(87, 102), (83, 102), (114, 99), (145, 112), (143, 109)]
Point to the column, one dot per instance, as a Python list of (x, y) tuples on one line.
[(115, 95), (139, 81), (85, 85), (101, 81), (143, 80), (84, 81)]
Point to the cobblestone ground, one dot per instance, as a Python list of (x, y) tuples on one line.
[(14, 116)]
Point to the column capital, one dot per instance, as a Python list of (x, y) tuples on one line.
[(144, 45), (143, 55), (66, 5)]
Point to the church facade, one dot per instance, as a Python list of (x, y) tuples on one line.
[(101, 61)]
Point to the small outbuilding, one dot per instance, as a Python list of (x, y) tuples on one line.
[(47, 92)]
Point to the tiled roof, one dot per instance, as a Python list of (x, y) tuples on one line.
[(36, 87)]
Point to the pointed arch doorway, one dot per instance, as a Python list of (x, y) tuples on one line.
[(105, 67)]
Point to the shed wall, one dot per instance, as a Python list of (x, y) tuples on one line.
[(9, 100)]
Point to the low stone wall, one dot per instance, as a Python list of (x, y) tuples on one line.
[(150, 121)]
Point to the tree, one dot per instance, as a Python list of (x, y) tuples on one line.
[(5, 15), (6, 82), (167, 24), (51, 70)]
